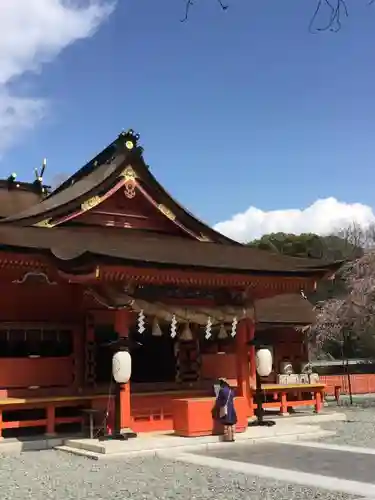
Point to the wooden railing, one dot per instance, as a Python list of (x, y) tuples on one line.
[(49, 406)]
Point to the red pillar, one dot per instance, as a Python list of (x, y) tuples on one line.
[(243, 367), (241, 357), (251, 334), (121, 324)]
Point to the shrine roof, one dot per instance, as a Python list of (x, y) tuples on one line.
[(17, 196), (99, 176), (61, 198), (52, 225), (284, 309), (142, 248)]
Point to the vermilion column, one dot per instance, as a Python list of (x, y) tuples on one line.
[(121, 324), (241, 357), (243, 367), (250, 335)]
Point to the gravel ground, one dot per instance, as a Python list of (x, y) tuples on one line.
[(51, 475), (359, 430)]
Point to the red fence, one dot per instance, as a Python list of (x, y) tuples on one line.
[(361, 383)]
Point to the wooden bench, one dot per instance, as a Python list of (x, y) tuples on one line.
[(49, 404), (281, 394)]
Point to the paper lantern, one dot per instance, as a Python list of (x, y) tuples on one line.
[(121, 367), (263, 361)]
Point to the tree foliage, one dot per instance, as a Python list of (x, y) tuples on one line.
[(345, 307), (340, 246)]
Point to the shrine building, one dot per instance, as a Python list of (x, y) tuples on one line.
[(110, 253)]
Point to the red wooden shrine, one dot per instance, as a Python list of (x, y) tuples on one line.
[(87, 262)]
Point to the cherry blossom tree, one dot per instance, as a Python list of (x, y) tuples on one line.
[(352, 315)]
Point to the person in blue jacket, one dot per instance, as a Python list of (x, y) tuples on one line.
[(225, 411)]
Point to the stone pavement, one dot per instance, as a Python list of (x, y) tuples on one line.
[(294, 428), (332, 467)]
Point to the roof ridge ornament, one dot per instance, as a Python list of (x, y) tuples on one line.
[(130, 139), (38, 183)]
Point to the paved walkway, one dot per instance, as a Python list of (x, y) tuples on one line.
[(332, 467)]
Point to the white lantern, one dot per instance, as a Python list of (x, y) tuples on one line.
[(121, 367), (263, 361)]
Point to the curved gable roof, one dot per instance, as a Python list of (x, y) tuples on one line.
[(99, 174)]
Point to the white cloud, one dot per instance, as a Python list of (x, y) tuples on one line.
[(33, 32), (322, 217)]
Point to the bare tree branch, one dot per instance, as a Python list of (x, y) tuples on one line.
[(189, 4), (336, 10), (357, 237)]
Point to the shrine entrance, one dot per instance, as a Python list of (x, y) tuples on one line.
[(104, 334), (154, 360)]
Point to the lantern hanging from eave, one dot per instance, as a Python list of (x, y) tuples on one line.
[(263, 361), (121, 367)]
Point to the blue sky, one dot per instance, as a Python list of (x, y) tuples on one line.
[(234, 109)]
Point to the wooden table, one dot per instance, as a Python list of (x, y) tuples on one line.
[(281, 393)]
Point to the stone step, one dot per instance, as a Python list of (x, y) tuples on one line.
[(170, 444), (329, 416)]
